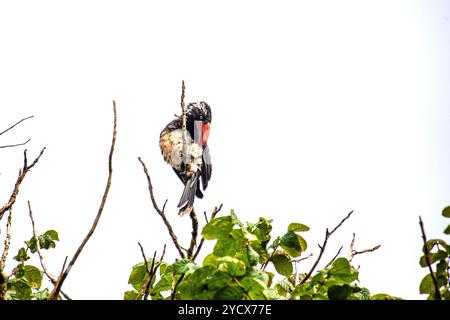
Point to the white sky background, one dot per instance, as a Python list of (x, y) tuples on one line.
[(318, 108)]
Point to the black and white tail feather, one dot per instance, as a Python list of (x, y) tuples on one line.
[(192, 186)]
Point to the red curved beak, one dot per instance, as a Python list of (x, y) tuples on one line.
[(201, 132), (205, 132)]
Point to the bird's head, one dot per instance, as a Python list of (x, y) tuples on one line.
[(198, 121)]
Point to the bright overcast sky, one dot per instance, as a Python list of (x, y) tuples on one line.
[(318, 108)]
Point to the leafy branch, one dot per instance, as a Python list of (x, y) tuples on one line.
[(437, 293), (322, 247)]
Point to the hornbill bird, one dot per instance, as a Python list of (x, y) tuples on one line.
[(195, 166)]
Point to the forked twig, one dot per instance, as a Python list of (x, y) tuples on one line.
[(213, 215), (353, 252), (322, 248), (161, 212), (22, 173)]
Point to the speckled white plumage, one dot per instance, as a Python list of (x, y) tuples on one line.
[(171, 144)]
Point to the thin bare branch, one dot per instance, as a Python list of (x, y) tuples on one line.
[(437, 293), (41, 258), (145, 289), (22, 173), (15, 145), (150, 277), (145, 259), (340, 223), (175, 286), (63, 276), (264, 265), (161, 212), (353, 252), (7, 241), (154, 270), (183, 123), (322, 247), (213, 215), (304, 258), (352, 247), (334, 258), (356, 252), (194, 234), (15, 124)]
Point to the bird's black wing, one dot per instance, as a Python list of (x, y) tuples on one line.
[(198, 193), (187, 198), (206, 170)]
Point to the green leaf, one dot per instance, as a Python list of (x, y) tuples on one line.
[(262, 231), (342, 271), (217, 228), (33, 276), (46, 240), (21, 255), (196, 286), (230, 244), (219, 280), (184, 266), (22, 289), (254, 287), (339, 292), (130, 295), (41, 295), (262, 253), (249, 236), (267, 277), (432, 243), (275, 243), (229, 293), (52, 234), (303, 291), (446, 212), (297, 227), (230, 265), (164, 284), (433, 257), (290, 242), (282, 263), (20, 271), (426, 285), (253, 256), (383, 296), (137, 275), (32, 244), (447, 230), (284, 288), (234, 219), (271, 294), (302, 242), (441, 267)]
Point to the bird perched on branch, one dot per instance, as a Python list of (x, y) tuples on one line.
[(192, 163)]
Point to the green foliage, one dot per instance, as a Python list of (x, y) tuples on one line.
[(439, 259), (26, 280), (236, 268)]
